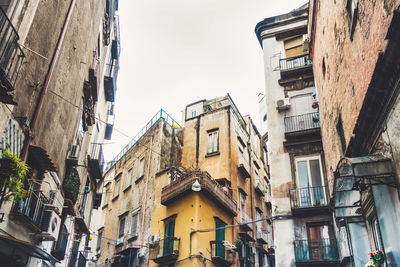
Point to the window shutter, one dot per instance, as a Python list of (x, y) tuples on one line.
[(215, 145), (210, 143), (134, 224)]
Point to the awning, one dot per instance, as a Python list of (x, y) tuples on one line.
[(40, 159), (27, 248)]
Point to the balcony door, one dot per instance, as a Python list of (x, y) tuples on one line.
[(219, 237), (168, 237), (311, 190), (320, 242)]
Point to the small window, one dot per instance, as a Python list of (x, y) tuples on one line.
[(212, 142), (116, 188), (134, 224), (141, 168), (352, 8), (193, 113), (99, 240), (107, 195), (128, 177), (121, 230)]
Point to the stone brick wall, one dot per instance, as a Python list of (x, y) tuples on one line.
[(343, 67)]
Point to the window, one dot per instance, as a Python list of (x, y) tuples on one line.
[(219, 238), (106, 195), (212, 142), (294, 47), (121, 230), (116, 188), (141, 168), (311, 189), (99, 240), (352, 8), (134, 224), (128, 178), (319, 241), (169, 232)]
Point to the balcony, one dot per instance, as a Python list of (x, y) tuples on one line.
[(11, 58), (302, 125), (110, 80), (244, 218), (262, 235), (259, 187), (295, 66), (221, 255), (182, 185), (96, 161), (309, 200), (165, 251), (30, 210), (318, 252), (243, 167), (110, 123)]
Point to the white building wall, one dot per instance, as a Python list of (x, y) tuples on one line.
[(279, 161)]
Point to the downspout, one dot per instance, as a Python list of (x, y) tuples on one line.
[(233, 241), (145, 195), (47, 80)]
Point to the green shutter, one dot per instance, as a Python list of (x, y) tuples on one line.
[(219, 237)]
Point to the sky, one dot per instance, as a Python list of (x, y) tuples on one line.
[(176, 52)]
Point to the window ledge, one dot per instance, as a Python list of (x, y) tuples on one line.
[(127, 188), (139, 179), (117, 245), (105, 206), (132, 238), (212, 154), (115, 198)]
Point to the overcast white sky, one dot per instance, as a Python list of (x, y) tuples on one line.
[(175, 52)]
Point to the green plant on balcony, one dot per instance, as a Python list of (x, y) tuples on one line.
[(238, 242), (71, 185), (13, 173), (317, 203)]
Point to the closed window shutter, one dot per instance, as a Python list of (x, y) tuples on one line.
[(215, 145), (134, 224), (121, 227), (210, 143)]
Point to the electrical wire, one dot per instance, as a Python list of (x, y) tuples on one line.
[(99, 119)]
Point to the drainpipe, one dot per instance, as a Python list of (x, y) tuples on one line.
[(233, 242), (47, 80), (145, 196)]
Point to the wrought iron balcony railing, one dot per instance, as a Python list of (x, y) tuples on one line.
[(30, 210), (183, 184), (11, 54), (309, 197), (316, 250), (220, 254), (96, 161), (295, 62), (303, 122), (165, 251)]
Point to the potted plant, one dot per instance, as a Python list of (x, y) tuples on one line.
[(377, 259), (71, 185), (13, 173), (238, 242)]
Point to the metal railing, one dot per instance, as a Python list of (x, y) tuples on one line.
[(32, 207), (309, 197), (302, 122), (96, 153), (295, 62), (184, 183), (316, 250), (160, 115), (166, 247), (11, 54), (219, 250)]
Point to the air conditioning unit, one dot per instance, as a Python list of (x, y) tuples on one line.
[(283, 104), (73, 154), (50, 225), (142, 252), (154, 238)]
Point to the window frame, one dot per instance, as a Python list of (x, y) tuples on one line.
[(212, 141), (100, 233), (117, 185), (308, 159), (120, 235), (141, 167), (128, 178), (134, 213)]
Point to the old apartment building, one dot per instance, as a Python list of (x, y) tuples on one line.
[(58, 71), (303, 227), (355, 55), (184, 195)]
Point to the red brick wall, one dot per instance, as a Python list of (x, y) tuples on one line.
[(349, 64)]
